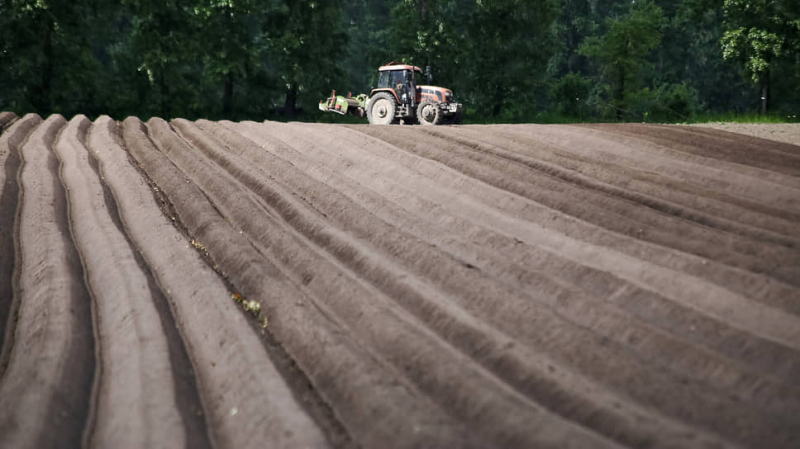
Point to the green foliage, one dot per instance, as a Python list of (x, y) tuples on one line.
[(366, 24), (506, 60), (623, 50), (666, 103), (571, 94), (764, 37), (760, 32), (46, 58), (510, 39), (734, 117), (675, 102), (304, 37)]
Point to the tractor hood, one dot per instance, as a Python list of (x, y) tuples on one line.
[(441, 94), (437, 88)]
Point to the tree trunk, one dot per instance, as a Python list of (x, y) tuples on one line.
[(290, 106), (619, 95), (765, 82), (499, 97), (227, 99)]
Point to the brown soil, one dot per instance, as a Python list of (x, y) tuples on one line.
[(6, 119), (781, 132), (472, 286)]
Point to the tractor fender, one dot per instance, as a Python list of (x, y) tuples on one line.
[(387, 90)]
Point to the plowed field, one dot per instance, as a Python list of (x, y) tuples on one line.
[(230, 285), (782, 132)]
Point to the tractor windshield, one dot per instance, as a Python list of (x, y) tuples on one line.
[(391, 78), (397, 77)]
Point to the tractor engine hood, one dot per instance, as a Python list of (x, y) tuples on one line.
[(441, 94)]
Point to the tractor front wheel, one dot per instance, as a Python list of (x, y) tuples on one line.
[(428, 113), (381, 109)]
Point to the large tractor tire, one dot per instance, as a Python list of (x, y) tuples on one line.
[(381, 109), (428, 113)]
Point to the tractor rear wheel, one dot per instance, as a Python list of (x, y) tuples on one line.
[(428, 113), (381, 109)]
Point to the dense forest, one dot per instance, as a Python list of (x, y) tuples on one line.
[(506, 60)]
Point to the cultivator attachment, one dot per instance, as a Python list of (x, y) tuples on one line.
[(344, 105)]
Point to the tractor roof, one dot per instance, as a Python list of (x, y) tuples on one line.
[(395, 66)]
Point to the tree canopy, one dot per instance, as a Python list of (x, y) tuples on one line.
[(761, 34), (622, 52), (506, 60)]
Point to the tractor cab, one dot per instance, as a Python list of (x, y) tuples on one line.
[(401, 80)]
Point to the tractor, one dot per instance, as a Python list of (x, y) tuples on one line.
[(398, 99)]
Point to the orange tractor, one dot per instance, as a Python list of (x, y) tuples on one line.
[(398, 99)]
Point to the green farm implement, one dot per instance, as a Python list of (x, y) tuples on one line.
[(345, 105)]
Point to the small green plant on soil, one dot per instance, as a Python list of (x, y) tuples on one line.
[(198, 246), (252, 307)]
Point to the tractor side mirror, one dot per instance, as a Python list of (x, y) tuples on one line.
[(429, 75)]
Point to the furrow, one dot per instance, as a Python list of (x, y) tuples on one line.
[(665, 224), (370, 398), (540, 328), (548, 387), (366, 314), (218, 284), (234, 373), (46, 387), (615, 214), (143, 362), (748, 187), (6, 120), (425, 221), (754, 144), (776, 294), (655, 308), (659, 185), (495, 351), (774, 156), (9, 194), (743, 299), (710, 213), (755, 184)]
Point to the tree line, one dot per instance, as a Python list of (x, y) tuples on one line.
[(506, 60)]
